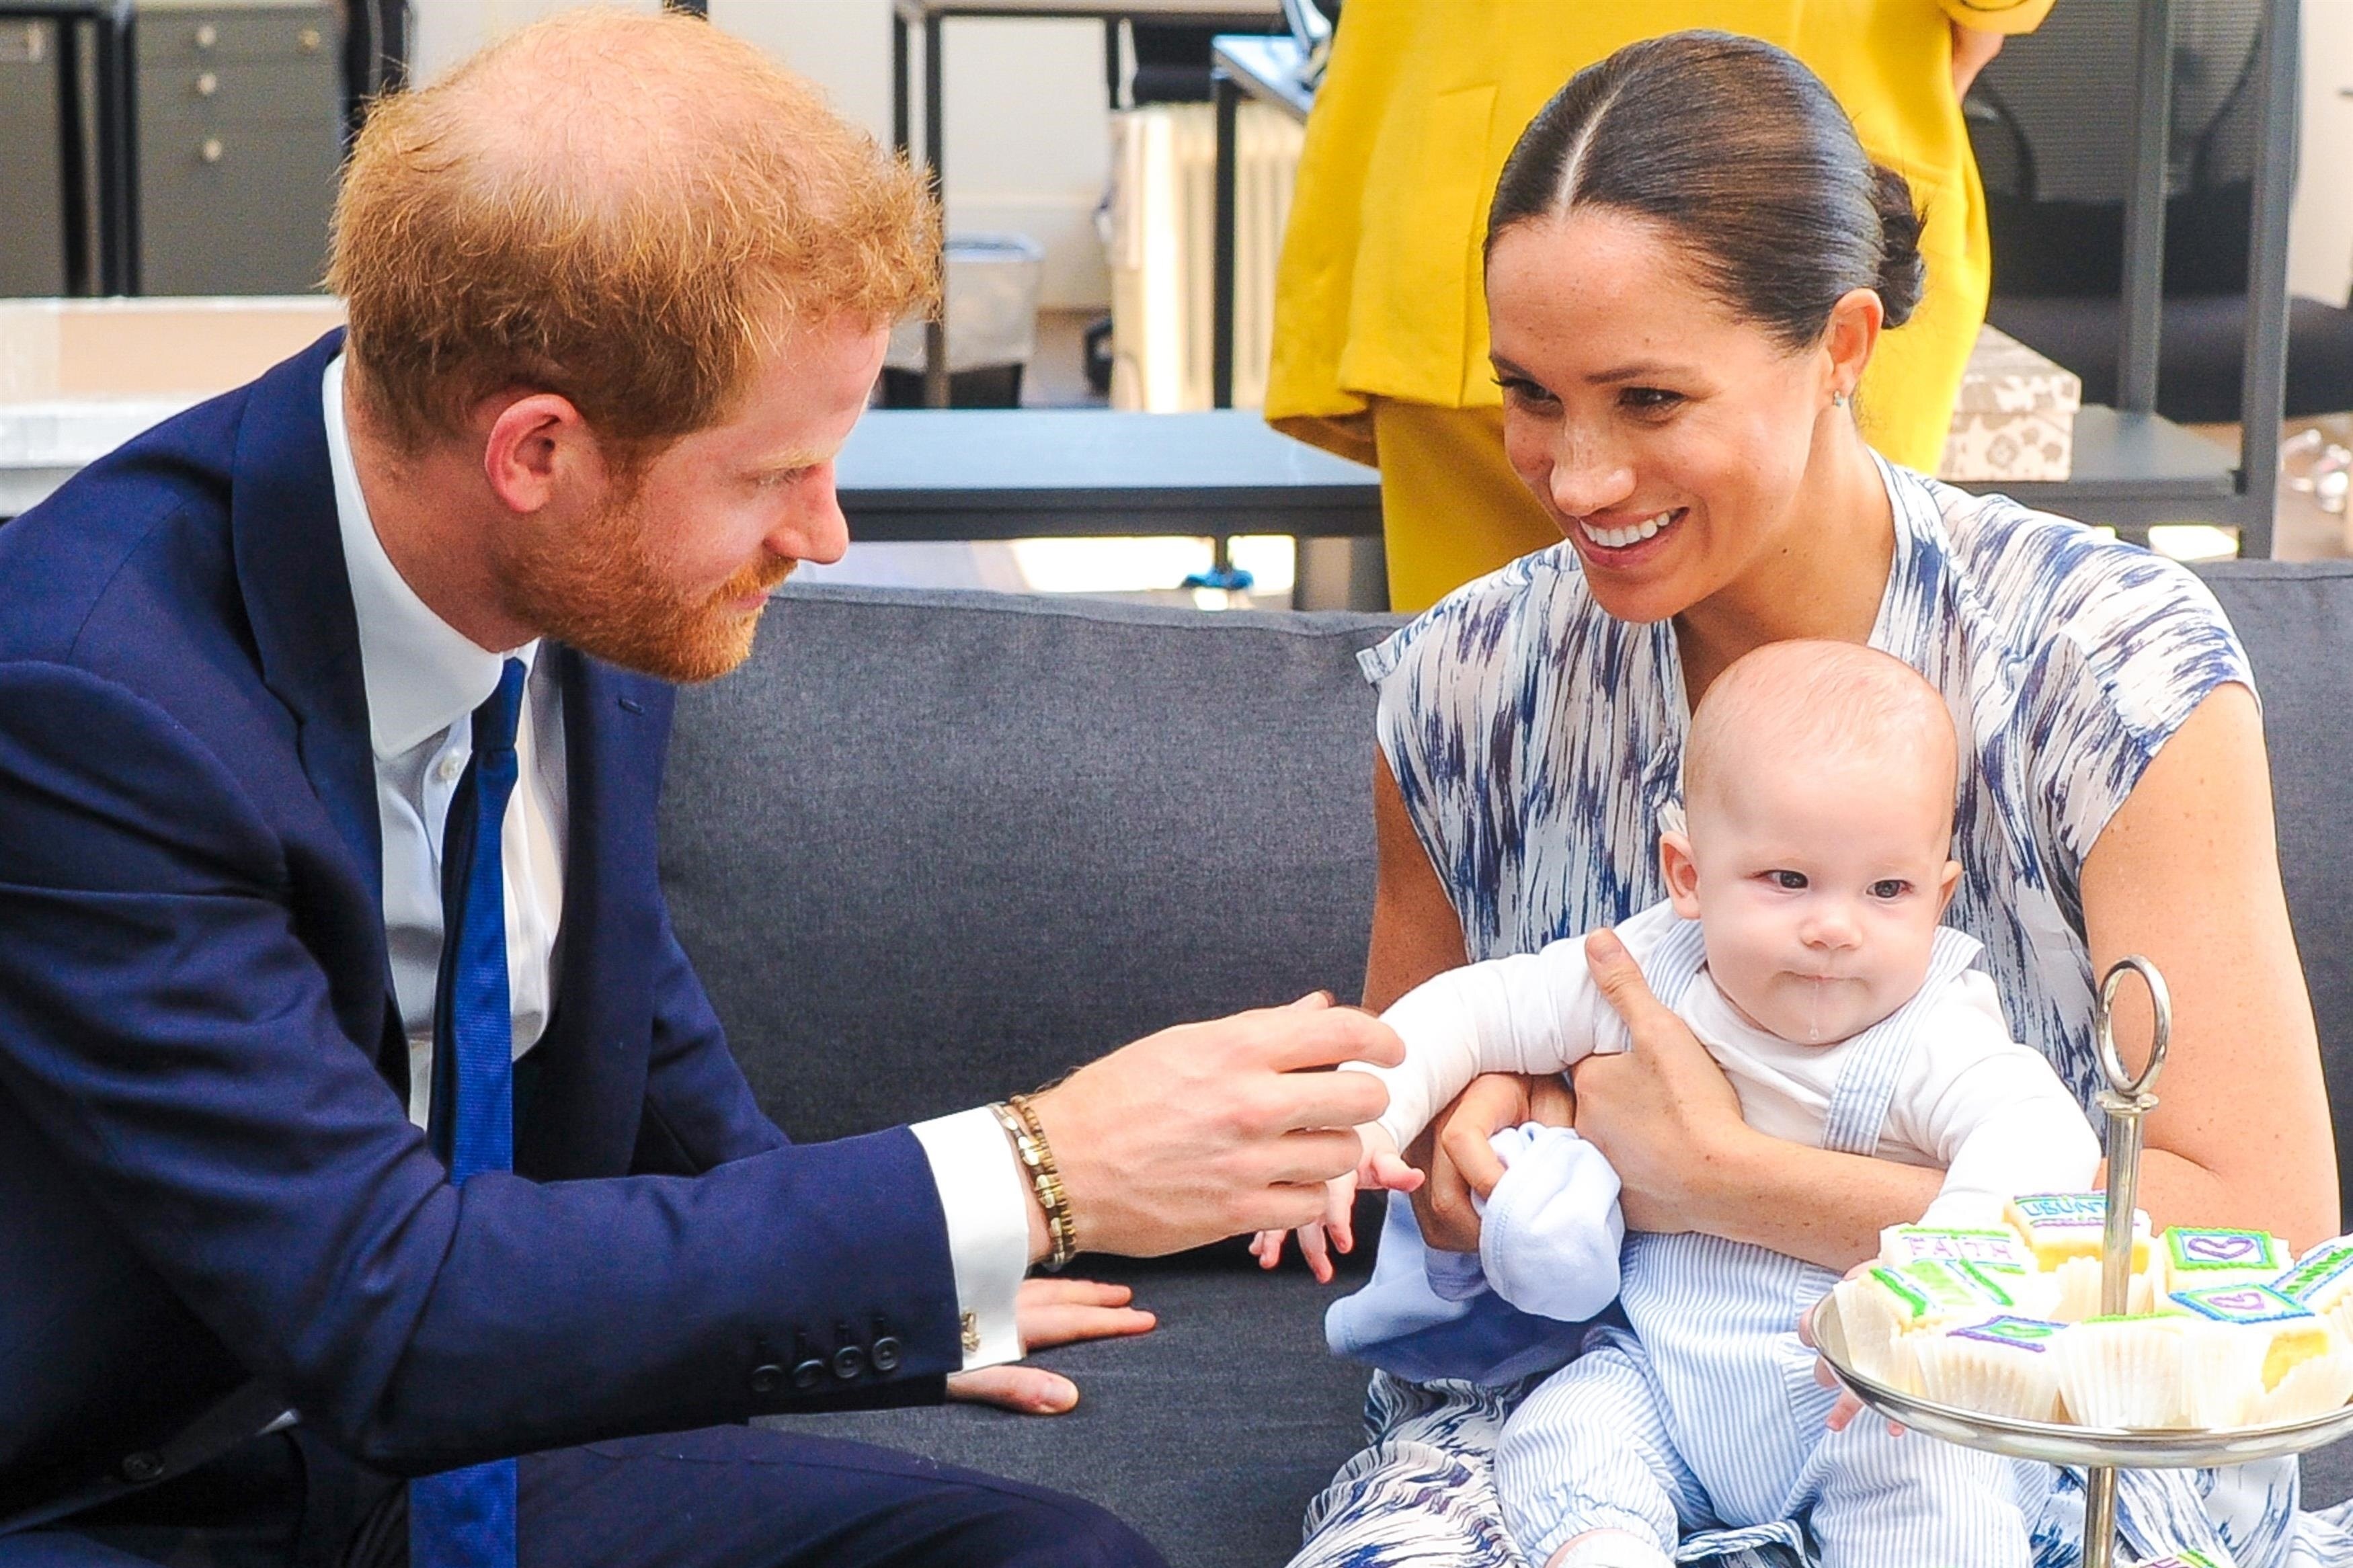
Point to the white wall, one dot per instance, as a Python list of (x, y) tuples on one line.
[(2320, 233), (1029, 132)]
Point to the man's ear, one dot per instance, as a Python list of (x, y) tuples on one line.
[(1681, 872), (1946, 884), (532, 447)]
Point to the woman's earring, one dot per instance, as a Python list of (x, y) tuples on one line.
[(1840, 399)]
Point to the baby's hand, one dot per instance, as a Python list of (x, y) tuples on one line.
[(1381, 1167)]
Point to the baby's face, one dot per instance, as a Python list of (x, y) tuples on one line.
[(1818, 884)]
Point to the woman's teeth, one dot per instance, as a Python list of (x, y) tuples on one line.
[(1633, 534)]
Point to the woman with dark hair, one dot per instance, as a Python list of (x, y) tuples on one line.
[(1689, 262), (1380, 322)]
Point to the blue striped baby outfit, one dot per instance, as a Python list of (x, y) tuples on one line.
[(1701, 1423)]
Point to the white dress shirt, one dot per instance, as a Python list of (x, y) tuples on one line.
[(424, 680)]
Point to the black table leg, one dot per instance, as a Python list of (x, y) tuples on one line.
[(935, 332)]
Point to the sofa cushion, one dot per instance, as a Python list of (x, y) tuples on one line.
[(927, 848), (1210, 1434)]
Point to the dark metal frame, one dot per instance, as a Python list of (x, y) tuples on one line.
[(932, 14), (115, 268)]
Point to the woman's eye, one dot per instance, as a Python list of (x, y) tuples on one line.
[(1890, 887), (1649, 399), (1520, 389), (1791, 882)]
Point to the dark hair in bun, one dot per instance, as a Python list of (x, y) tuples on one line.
[(1744, 153)]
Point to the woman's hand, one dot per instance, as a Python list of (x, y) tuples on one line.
[(1455, 1151), (1661, 1111), (1972, 51), (1049, 1312)]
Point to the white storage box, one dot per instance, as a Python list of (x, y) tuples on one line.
[(2015, 416)]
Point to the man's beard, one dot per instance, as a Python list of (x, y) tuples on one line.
[(596, 587)]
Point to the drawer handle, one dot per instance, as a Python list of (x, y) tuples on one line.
[(207, 36), (207, 84), (210, 151)]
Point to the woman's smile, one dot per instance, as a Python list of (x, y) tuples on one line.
[(1618, 535)]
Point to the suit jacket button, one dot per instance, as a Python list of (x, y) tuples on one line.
[(808, 1375), (141, 1467), (767, 1380), (848, 1361), (884, 1354)]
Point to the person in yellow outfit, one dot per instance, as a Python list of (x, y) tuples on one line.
[(1380, 335)]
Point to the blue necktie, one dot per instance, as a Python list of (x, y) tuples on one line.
[(466, 1519)]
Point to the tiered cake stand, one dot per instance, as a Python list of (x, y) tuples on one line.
[(2100, 1452)]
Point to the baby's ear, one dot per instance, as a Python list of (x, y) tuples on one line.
[(1946, 884), (1681, 873)]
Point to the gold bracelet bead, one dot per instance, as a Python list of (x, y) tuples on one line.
[(1062, 1223), (1045, 1181)]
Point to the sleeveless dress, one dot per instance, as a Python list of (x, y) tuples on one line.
[(1537, 742)]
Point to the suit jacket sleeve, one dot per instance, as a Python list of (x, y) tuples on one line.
[(700, 1112), (167, 1022)]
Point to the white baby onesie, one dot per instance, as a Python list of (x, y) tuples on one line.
[(1986, 1110), (1704, 1417)]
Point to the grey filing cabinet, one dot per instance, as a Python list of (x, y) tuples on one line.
[(239, 109), (32, 253)]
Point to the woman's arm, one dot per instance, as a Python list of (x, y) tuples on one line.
[(1417, 934), (2187, 875), (1670, 1123)]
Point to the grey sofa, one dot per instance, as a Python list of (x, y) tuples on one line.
[(926, 849)]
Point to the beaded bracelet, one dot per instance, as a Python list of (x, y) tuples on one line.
[(1019, 1117)]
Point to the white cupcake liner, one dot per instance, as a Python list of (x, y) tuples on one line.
[(1989, 1379), (2122, 1374), (2076, 1284), (2311, 1388)]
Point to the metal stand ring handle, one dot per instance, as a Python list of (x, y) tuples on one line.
[(2131, 1086)]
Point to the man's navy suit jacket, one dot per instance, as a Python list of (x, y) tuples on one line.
[(207, 1169)]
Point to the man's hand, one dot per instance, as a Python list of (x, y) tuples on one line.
[(1661, 1111), (1381, 1169), (1049, 1312), (1458, 1152), (1213, 1129)]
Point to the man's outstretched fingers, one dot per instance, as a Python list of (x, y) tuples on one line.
[(1330, 1036), (1025, 1390)]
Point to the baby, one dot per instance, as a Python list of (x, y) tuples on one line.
[(1800, 943)]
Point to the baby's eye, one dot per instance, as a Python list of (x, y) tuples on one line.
[(1890, 887), (1791, 881)]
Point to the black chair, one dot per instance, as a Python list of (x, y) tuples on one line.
[(2051, 122)]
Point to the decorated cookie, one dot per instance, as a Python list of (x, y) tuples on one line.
[(2057, 1226), (2000, 1367), (1883, 1306), (1995, 1248), (2323, 1281), (2195, 1258)]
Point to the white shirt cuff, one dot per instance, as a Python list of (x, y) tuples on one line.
[(985, 1195)]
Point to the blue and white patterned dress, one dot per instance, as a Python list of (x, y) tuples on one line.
[(1536, 740)]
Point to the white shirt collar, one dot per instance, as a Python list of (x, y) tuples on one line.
[(423, 674)]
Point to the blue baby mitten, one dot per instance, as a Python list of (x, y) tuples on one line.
[(1550, 1232)]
